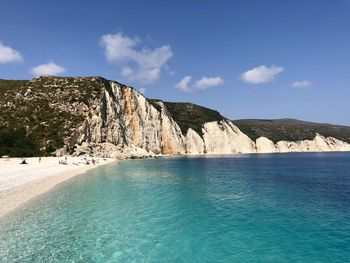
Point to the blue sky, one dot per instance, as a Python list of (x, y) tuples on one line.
[(247, 59)]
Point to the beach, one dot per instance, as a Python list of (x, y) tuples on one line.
[(20, 183)]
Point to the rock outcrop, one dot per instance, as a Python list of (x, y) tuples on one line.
[(128, 125), (225, 138), (318, 144)]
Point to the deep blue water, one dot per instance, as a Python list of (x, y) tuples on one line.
[(249, 208)]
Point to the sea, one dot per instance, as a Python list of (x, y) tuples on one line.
[(291, 207)]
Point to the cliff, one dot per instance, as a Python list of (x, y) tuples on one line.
[(54, 115)]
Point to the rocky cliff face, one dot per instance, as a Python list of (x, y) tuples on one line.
[(105, 118), (318, 144), (123, 123)]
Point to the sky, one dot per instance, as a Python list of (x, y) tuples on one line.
[(263, 59)]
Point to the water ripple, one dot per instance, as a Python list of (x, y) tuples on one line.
[(273, 208)]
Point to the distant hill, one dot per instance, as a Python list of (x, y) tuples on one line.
[(290, 129)]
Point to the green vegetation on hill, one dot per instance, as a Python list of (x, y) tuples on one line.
[(48, 109), (154, 103), (291, 130), (188, 115), (15, 142)]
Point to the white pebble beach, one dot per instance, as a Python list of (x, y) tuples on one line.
[(20, 183)]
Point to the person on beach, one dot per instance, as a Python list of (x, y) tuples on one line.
[(39, 159)]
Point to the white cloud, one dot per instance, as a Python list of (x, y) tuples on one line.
[(261, 74), (9, 55), (201, 84), (301, 84), (120, 48), (205, 83), (183, 84), (50, 69)]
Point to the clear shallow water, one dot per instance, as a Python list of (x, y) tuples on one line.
[(254, 208)]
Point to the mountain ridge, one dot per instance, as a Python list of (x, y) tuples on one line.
[(92, 115), (291, 129)]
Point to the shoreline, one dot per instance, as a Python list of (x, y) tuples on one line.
[(19, 188), (13, 195)]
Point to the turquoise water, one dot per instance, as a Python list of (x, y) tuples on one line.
[(251, 208)]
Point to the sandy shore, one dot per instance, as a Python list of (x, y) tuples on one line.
[(21, 182)]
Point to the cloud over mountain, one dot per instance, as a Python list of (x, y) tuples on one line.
[(261, 74), (201, 84), (9, 55), (142, 65), (49, 68)]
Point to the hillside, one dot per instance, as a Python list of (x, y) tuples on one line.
[(36, 115), (290, 130), (189, 115)]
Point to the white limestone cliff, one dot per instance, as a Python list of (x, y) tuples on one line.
[(122, 123), (225, 138), (194, 143), (264, 145), (128, 125), (318, 144)]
